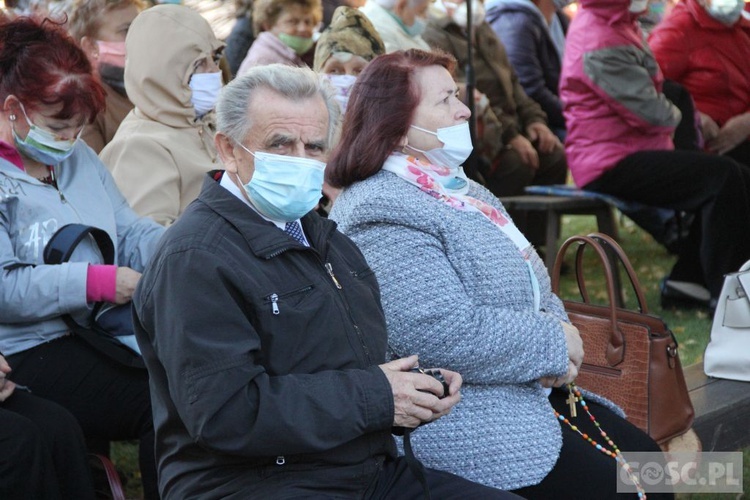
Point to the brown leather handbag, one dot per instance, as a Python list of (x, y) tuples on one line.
[(630, 356)]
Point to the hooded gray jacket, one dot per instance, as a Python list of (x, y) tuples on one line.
[(33, 296)]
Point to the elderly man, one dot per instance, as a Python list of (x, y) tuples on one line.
[(262, 329)]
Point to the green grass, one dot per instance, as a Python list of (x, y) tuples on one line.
[(651, 263)]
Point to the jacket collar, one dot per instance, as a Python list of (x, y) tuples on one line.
[(264, 238)]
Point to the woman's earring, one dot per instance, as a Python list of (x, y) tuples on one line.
[(12, 117)]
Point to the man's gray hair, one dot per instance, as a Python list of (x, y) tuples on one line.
[(293, 83)]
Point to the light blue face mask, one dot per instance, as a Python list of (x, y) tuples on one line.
[(42, 145), (284, 188), (416, 29)]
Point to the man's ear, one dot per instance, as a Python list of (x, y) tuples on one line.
[(91, 48), (225, 148)]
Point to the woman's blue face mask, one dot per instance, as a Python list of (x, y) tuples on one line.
[(42, 145)]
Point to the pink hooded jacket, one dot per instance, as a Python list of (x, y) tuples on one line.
[(611, 89)]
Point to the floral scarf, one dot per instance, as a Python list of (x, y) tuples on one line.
[(450, 186)]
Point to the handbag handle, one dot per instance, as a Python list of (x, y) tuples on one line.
[(609, 244), (615, 349), (60, 246)]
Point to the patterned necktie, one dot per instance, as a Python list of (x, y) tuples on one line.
[(294, 230)]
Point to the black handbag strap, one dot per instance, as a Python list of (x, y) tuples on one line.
[(62, 244), (57, 251)]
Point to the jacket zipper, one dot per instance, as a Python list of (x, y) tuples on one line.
[(329, 268), (275, 297)]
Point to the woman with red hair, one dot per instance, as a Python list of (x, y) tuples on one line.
[(463, 288), (48, 179)]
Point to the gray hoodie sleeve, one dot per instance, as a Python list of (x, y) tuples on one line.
[(625, 74)]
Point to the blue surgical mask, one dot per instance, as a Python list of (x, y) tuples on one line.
[(206, 88), (42, 145), (456, 145), (416, 29), (284, 188)]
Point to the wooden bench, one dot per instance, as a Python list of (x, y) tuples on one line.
[(722, 410), (555, 207)]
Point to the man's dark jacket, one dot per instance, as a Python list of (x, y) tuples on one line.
[(260, 351)]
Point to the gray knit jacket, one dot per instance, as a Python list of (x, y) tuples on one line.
[(457, 292)]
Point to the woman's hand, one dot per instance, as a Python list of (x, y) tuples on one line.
[(6, 386), (569, 377), (574, 343), (127, 279)]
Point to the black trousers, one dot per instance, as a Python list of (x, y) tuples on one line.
[(715, 188), (43, 451), (110, 402), (583, 472), (741, 153), (396, 480), (375, 479)]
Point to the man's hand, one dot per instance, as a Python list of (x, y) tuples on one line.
[(127, 279), (734, 131), (416, 396), (526, 150), (6, 386), (547, 140)]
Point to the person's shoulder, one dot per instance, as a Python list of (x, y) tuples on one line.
[(382, 197), (199, 228), (138, 136), (84, 159)]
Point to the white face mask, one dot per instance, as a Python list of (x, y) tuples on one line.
[(726, 11), (206, 88), (343, 87), (637, 6), (478, 14), (456, 145)]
